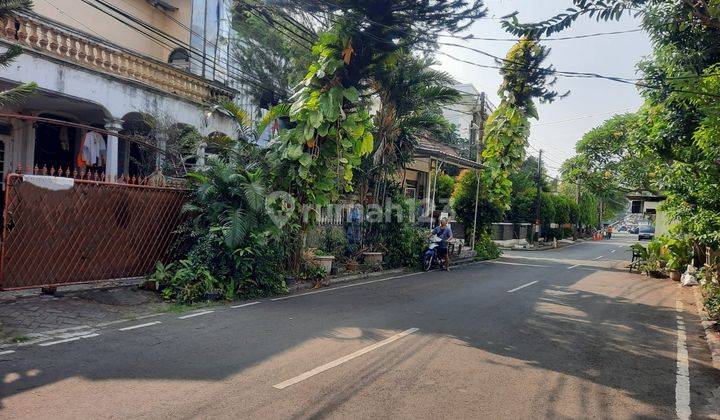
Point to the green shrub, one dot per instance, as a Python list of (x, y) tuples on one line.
[(463, 203), (679, 253), (485, 248), (711, 293), (228, 244), (398, 239)]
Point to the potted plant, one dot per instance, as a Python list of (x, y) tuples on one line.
[(679, 254), (372, 258), (324, 260)]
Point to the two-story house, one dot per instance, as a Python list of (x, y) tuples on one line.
[(114, 66)]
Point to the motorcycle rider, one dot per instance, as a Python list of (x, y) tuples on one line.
[(444, 232)]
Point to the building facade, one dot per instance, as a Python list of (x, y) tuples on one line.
[(118, 67)]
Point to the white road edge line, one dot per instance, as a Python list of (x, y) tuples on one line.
[(67, 340), (245, 304), (195, 314), (597, 258), (338, 362), (2, 353), (139, 326), (574, 266), (682, 378), (347, 285), (522, 287)]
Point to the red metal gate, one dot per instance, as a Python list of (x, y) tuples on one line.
[(82, 231)]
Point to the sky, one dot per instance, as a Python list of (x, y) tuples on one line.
[(591, 101)]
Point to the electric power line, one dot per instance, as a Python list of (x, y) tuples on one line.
[(566, 38)]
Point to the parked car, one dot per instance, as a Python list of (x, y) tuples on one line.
[(646, 232), (634, 230)]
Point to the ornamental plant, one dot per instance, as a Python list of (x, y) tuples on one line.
[(331, 130), (508, 128)]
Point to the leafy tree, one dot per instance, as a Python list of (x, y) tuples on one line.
[(18, 93), (705, 12), (463, 203), (608, 158), (273, 50), (508, 128), (444, 189), (411, 93), (524, 191)]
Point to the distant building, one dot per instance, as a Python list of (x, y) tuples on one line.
[(469, 116), (647, 207)]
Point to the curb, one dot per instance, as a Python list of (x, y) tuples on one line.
[(364, 276), (712, 334), (301, 287)]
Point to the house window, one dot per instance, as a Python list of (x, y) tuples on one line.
[(209, 38), (636, 207), (179, 58)]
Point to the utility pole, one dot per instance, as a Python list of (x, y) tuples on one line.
[(538, 178), (577, 201), (480, 134)]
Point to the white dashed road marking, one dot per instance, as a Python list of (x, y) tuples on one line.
[(612, 250), (574, 266), (245, 304), (6, 352), (195, 314), (682, 377), (67, 340), (522, 287), (597, 258), (338, 362), (140, 326)]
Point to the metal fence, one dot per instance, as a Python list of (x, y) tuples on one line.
[(60, 230)]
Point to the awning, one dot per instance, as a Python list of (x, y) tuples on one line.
[(460, 162)]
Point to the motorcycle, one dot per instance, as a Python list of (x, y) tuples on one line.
[(431, 257)]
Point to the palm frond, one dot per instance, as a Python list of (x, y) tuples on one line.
[(7, 6), (280, 110), (439, 95), (255, 195), (236, 228), (17, 94), (240, 115), (9, 55)]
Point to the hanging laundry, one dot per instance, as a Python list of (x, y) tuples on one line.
[(64, 139), (92, 150)]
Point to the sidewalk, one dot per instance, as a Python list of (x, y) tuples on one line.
[(547, 245), (28, 315)]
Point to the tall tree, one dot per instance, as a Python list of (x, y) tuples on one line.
[(508, 128), (411, 94)]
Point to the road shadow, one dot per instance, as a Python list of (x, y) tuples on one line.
[(613, 341)]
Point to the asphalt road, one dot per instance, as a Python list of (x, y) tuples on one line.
[(563, 333)]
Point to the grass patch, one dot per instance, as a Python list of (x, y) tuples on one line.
[(20, 339)]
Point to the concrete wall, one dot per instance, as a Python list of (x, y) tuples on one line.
[(85, 18)]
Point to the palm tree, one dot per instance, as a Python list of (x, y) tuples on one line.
[(411, 96), (16, 94)]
